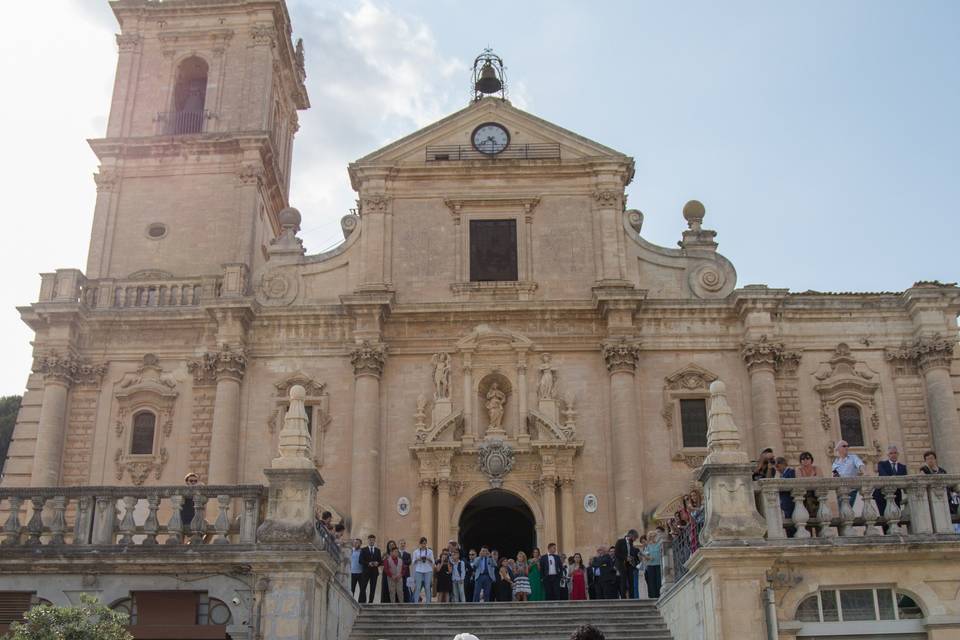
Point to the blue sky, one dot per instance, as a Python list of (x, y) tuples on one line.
[(821, 136)]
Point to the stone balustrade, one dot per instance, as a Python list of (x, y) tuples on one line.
[(126, 516), (924, 508), (70, 286)]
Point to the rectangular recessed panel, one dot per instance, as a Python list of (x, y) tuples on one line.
[(493, 250), (693, 417)]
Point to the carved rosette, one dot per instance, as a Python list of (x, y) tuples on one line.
[(621, 355), (929, 352), (496, 459), (762, 354), (368, 359), (68, 370)]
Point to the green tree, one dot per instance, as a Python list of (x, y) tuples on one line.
[(9, 406), (90, 621)]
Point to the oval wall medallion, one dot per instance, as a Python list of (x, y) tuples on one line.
[(403, 505), (589, 503)]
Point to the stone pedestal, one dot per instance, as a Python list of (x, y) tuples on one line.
[(549, 408), (441, 409), (731, 513)]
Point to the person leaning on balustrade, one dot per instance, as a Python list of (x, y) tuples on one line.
[(847, 465), (889, 467), (931, 466), (809, 470), (765, 468)]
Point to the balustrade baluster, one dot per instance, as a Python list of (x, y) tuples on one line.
[(222, 524), (800, 514), (846, 512), (35, 525), (151, 525), (825, 514), (891, 514), (198, 526), (58, 525), (83, 525), (11, 528), (940, 507), (919, 508), (248, 522), (127, 525), (104, 520), (773, 514), (870, 512), (175, 525)]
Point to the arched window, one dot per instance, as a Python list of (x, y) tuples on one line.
[(189, 98), (851, 424), (144, 426)]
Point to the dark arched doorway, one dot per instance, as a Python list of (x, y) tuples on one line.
[(499, 520)]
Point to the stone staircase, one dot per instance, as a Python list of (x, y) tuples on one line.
[(618, 619)]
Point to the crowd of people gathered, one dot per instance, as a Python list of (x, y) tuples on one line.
[(630, 568)]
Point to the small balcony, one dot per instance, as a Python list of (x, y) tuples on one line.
[(183, 123), (455, 152)]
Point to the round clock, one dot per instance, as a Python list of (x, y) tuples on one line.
[(490, 138)]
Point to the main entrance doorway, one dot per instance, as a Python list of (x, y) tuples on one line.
[(499, 520)]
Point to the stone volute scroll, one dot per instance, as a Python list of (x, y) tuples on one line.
[(293, 481)]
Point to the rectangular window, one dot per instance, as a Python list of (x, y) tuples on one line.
[(493, 250), (693, 417)]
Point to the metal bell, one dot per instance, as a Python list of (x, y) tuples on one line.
[(488, 82)]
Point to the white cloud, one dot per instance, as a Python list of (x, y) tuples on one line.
[(373, 75)]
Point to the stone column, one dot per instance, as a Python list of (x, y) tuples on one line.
[(621, 359), (468, 425), (48, 456), (522, 397), (549, 511), (443, 513), (367, 360), (762, 358), (426, 510), (567, 517), (933, 356), (229, 367)]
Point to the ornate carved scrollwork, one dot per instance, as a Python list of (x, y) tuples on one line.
[(621, 355), (226, 363), (927, 352), (496, 459), (69, 370)]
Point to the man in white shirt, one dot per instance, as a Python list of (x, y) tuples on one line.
[(551, 572), (422, 571), (847, 465)]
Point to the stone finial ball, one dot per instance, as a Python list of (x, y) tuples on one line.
[(694, 210), (289, 217), (717, 388), (297, 392)]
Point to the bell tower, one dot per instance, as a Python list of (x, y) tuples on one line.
[(195, 165)]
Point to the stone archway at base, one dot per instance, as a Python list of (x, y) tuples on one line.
[(500, 520)]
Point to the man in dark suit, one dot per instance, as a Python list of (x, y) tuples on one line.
[(407, 561), (370, 561), (603, 576), (626, 559), (889, 467), (786, 497), (551, 570)]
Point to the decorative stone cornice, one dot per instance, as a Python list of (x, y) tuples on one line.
[(928, 352), (621, 355), (368, 359), (377, 203), (216, 365), (763, 354), (68, 370)]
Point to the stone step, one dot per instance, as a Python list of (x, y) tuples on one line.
[(618, 619)]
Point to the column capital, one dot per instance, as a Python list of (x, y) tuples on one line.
[(621, 355), (368, 358), (927, 352), (68, 370), (762, 354), (227, 363)]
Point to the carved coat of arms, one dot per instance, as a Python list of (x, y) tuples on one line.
[(496, 461)]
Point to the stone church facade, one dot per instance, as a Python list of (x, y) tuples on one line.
[(494, 336), (199, 309)]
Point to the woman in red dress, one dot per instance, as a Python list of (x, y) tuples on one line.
[(578, 590)]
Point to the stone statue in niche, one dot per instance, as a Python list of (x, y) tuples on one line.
[(546, 388), (495, 402), (441, 376)]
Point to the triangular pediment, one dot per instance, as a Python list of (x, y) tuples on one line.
[(456, 129)]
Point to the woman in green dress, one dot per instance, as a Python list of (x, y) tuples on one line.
[(536, 587)]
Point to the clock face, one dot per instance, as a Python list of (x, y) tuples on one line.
[(490, 138)]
